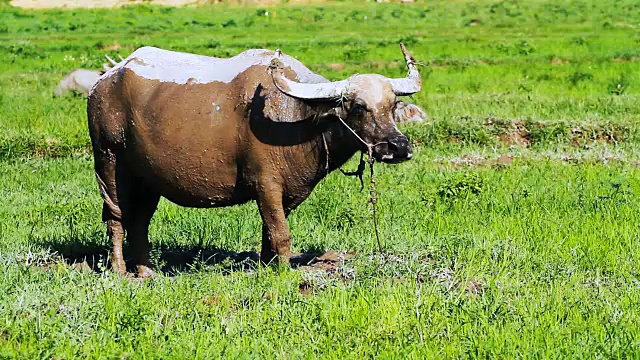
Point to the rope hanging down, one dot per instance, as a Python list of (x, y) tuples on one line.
[(359, 171), (373, 195)]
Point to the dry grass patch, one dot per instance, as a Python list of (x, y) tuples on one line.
[(52, 4)]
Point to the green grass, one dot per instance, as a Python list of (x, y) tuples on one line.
[(493, 249)]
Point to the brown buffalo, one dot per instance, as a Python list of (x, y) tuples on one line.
[(208, 132)]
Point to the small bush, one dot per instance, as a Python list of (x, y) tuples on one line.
[(577, 76), (579, 40), (356, 53), (460, 185), (619, 85), (229, 23)]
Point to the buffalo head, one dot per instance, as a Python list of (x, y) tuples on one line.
[(366, 103)]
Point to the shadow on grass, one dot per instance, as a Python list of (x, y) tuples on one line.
[(92, 254)]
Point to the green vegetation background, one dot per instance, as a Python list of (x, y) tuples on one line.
[(514, 230)]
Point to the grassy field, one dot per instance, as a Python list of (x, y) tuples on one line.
[(512, 233)]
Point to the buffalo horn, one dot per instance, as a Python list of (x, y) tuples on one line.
[(412, 83), (113, 62), (320, 91)]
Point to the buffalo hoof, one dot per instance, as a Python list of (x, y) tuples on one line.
[(118, 266), (145, 272), (119, 269), (275, 260), (123, 273)]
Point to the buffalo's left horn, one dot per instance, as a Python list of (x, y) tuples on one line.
[(412, 83), (113, 62), (320, 91)]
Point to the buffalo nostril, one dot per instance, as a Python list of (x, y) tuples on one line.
[(393, 146), (398, 144)]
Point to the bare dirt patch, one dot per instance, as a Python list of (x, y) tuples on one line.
[(336, 66), (174, 261), (516, 134), (559, 61), (474, 22), (305, 288), (212, 300), (115, 46), (329, 261), (625, 59), (603, 156), (51, 4)]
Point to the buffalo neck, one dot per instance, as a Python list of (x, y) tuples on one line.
[(335, 144), (341, 145)]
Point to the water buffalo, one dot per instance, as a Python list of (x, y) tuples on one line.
[(210, 132), (409, 112), (81, 80)]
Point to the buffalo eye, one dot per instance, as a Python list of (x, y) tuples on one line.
[(358, 108)]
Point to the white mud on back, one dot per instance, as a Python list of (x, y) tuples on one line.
[(177, 67)]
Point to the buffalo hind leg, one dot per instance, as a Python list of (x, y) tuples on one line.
[(115, 231), (128, 207), (276, 239), (143, 205), (111, 209)]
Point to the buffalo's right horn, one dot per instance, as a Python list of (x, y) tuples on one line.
[(412, 83), (320, 91)]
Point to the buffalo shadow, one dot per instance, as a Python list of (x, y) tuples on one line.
[(92, 253)]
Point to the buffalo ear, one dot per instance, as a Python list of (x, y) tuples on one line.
[(409, 112), (277, 106)]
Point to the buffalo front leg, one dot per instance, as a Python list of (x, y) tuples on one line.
[(276, 239)]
